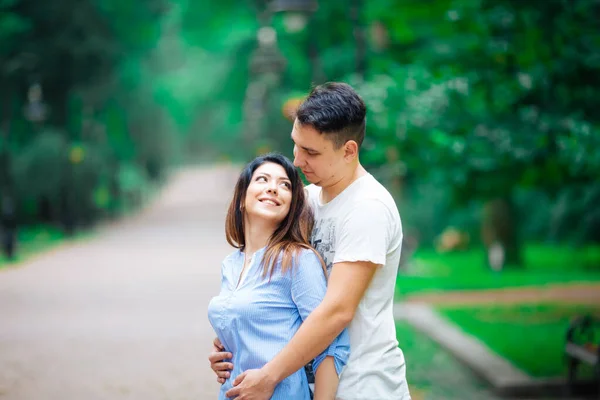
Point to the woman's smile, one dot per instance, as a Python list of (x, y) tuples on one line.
[(269, 194)]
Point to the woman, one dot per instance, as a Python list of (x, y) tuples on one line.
[(274, 280)]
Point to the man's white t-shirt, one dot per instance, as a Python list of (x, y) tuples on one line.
[(362, 224)]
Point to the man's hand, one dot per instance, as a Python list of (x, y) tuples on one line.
[(217, 364), (252, 384)]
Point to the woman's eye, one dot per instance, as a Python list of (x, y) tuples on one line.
[(261, 178), (287, 185)]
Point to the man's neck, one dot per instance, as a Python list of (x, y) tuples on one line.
[(256, 236), (330, 192)]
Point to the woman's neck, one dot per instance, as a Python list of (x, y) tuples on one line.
[(256, 236)]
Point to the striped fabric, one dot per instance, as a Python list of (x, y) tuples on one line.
[(258, 318)]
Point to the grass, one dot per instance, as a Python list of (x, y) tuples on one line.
[(530, 336), (432, 372), (429, 271), (33, 240), (37, 239)]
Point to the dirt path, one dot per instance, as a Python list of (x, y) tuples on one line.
[(122, 316), (579, 293)]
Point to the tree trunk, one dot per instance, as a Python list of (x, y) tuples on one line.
[(499, 234)]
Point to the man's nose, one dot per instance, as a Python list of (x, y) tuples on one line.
[(298, 161)]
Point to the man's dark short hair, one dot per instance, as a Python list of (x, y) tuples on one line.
[(336, 110)]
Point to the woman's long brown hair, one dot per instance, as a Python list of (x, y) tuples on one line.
[(292, 235)]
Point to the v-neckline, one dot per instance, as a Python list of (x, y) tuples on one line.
[(245, 269)]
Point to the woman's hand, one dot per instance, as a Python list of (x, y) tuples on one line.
[(217, 363)]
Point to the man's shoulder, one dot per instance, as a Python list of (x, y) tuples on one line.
[(371, 193), (371, 186)]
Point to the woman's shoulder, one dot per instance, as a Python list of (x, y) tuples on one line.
[(232, 258), (298, 255), (307, 256), (305, 252)]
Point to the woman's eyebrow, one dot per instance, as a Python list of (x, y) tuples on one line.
[(281, 178)]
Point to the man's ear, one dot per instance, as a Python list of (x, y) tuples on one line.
[(350, 150)]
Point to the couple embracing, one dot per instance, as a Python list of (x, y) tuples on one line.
[(312, 279)]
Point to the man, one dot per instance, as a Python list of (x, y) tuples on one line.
[(359, 234)]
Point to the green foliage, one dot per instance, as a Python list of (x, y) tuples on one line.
[(483, 98), (94, 62), (494, 113), (488, 97), (569, 216), (49, 166), (39, 168), (131, 178)]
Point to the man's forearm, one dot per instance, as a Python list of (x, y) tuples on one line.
[(316, 333)]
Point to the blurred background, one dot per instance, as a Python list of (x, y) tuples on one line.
[(483, 123)]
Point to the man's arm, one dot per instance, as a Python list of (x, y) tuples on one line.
[(347, 284)]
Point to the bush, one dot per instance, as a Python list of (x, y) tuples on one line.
[(38, 174), (57, 180)]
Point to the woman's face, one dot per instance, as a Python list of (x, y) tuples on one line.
[(269, 194)]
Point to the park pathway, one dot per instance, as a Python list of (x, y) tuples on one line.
[(567, 293), (121, 316)]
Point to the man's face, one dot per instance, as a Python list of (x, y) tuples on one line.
[(316, 155)]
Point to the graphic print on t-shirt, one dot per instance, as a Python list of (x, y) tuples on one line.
[(323, 240)]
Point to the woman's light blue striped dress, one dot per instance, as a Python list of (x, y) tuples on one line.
[(258, 318)]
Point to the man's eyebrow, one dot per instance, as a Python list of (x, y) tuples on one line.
[(308, 149), (303, 147)]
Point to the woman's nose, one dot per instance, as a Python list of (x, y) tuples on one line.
[(272, 189)]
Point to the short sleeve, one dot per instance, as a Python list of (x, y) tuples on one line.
[(308, 283), (339, 350), (363, 234), (308, 289)]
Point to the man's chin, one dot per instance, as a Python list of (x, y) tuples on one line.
[(312, 180), (310, 177)]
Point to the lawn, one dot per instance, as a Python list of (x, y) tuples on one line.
[(33, 240), (530, 336), (432, 372), (429, 271)]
